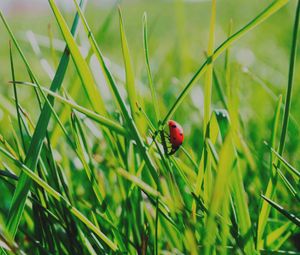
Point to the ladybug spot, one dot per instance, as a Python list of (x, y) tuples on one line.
[(173, 126), (180, 134)]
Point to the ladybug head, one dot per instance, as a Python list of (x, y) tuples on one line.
[(172, 123)]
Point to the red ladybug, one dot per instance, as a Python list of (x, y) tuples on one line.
[(176, 135)]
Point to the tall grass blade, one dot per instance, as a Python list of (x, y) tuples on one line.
[(271, 187), (113, 86), (57, 196), (220, 191), (18, 202), (207, 181), (290, 81), (265, 14), (130, 83), (105, 121), (150, 79), (293, 218), (80, 63)]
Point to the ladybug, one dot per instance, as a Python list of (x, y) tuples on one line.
[(175, 137)]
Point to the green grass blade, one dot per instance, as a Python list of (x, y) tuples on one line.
[(150, 80), (288, 185), (16, 95), (113, 86), (221, 188), (94, 116), (209, 70), (290, 81), (271, 187), (18, 202), (80, 63), (242, 211), (138, 182), (207, 180), (286, 164), (276, 234), (293, 218), (265, 14), (57, 196), (130, 83)]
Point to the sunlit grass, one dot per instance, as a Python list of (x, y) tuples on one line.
[(90, 174)]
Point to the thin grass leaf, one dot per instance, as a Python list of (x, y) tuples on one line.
[(288, 185), (225, 166), (16, 96), (80, 63), (18, 202), (287, 165), (265, 14), (57, 196), (113, 86), (276, 234), (149, 74), (271, 188), (207, 180), (138, 182), (242, 211), (293, 218), (130, 83), (290, 82), (94, 116)]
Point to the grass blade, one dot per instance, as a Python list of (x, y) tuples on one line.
[(293, 218), (94, 116), (18, 202), (128, 118), (270, 10), (60, 199), (221, 187), (286, 164), (130, 83), (271, 187), (290, 82), (146, 50), (80, 63)]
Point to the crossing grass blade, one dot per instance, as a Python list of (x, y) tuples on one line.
[(290, 81), (80, 63), (145, 187), (16, 95), (288, 185), (75, 89), (220, 191), (265, 14), (18, 202), (271, 187), (286, 164), (91, 114), (120, 101), (50, 191), (276, 234), (284, 212), (85, 156)]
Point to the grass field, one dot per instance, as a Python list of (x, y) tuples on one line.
[(87, 90)]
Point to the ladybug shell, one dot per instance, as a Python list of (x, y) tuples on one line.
[(176, 134)]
